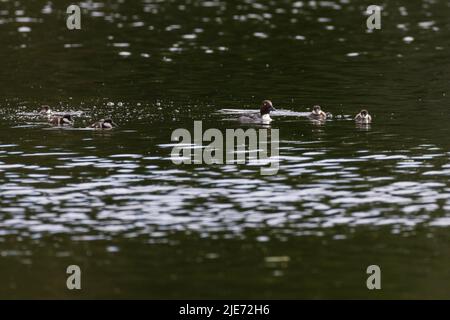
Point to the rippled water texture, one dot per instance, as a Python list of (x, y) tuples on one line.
[(139, 226)]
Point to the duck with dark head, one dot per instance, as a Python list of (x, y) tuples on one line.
[(262, 117)]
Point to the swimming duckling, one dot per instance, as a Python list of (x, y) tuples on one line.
[(363, 117), (318, 114), (262, 117), (104, 124), (45, 110), (61, 121)]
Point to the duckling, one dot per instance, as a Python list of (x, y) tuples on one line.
[(363, 117), (263, 116), (104, 124), (61, 121), (45, 110), (318, 114)]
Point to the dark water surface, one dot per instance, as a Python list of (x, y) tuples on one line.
[(140, 226)]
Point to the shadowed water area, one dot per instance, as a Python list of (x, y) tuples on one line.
[(345, 197)]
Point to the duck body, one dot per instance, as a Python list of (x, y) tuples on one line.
[(263, 117), (317, 114), (255, 118), (61, 121), (105, 124), (363, 117)]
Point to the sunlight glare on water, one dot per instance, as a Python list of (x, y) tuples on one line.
[(344, 195)]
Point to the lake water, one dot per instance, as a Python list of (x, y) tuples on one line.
[(139, 226)]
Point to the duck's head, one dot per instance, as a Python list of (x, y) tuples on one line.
[(316, 109), (364, 113), (266, 107), (45, 110)]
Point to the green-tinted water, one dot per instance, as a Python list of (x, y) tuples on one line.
[(140, 226)]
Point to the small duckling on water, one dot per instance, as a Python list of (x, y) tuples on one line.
[(104, 124), (363, 117), (45, 110), (61, 121), (263, 116), (318, 114)]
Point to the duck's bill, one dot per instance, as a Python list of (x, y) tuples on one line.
[(272, 109)]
